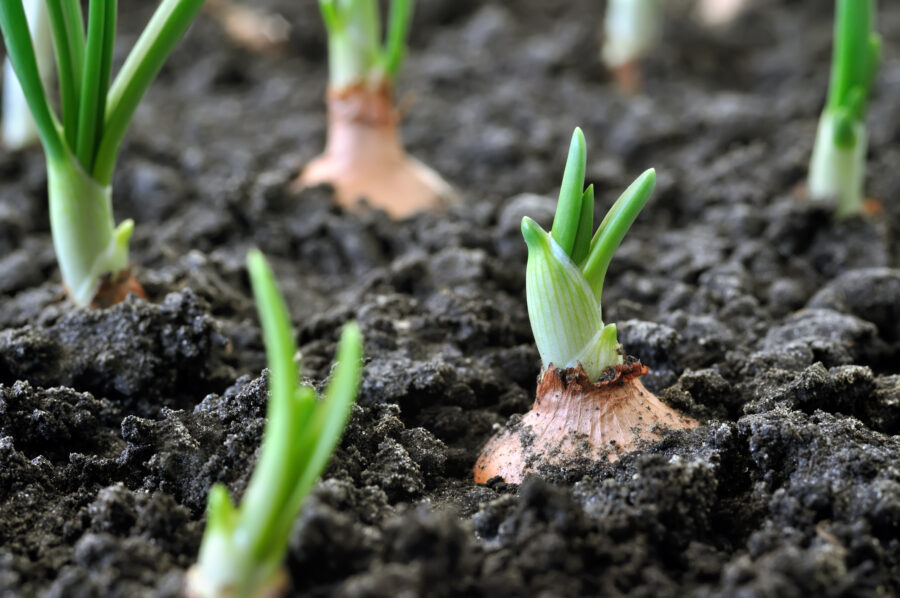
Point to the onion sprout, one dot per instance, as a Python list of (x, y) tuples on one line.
[(567, 267), (837, 169), (81, 146), (243, 547)]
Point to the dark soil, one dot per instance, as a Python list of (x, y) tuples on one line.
[(775, 327)]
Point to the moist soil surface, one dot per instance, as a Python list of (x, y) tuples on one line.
[(775, 327)]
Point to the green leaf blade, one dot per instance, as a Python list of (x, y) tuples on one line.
[(582, 244), (20, 51), (568, 209), (301, 433), (397, 32), (856, 53), (331, 15), (321, 437), (166, 28), (67, 28), (612, 230), (270, 485), (95, 79)]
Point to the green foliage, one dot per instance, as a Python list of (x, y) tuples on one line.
[(837, 166), (94, 115), (243, 547), (857, 49), (83, 143), (356, 51), (567, 267)]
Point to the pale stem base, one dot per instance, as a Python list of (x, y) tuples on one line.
[(631, 30), (88, 245), (198, 585), (838, 174), (226, 568)]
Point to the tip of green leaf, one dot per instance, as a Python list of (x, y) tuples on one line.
[(259, 269), (578, 150), (533, 233), (123, 233), (220, 509), (578, 136), (351, 336), (643, 185), (255, 260)]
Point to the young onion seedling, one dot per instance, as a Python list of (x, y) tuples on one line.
[(364, 156), (837, 169), (19, 130), (243, 547), (81, 146), (590, 400), (631, 30)]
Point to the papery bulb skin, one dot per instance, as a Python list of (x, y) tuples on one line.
[(364, 158), (573, 418)]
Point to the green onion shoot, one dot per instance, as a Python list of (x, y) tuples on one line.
[(837, 169), (589, 396), (364, 157), (19, 130), (631, 29), (566, 268), (81, 144), (243, 547)]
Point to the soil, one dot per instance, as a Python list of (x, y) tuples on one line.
[(776, 328)]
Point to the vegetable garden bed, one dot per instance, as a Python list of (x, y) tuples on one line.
[(758, 315)]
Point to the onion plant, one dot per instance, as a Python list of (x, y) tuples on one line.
[(631, 30), (566, 268), (243, 547), (364, 156), (837, 169), (19, 130), (81, 145), (590, 400)]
